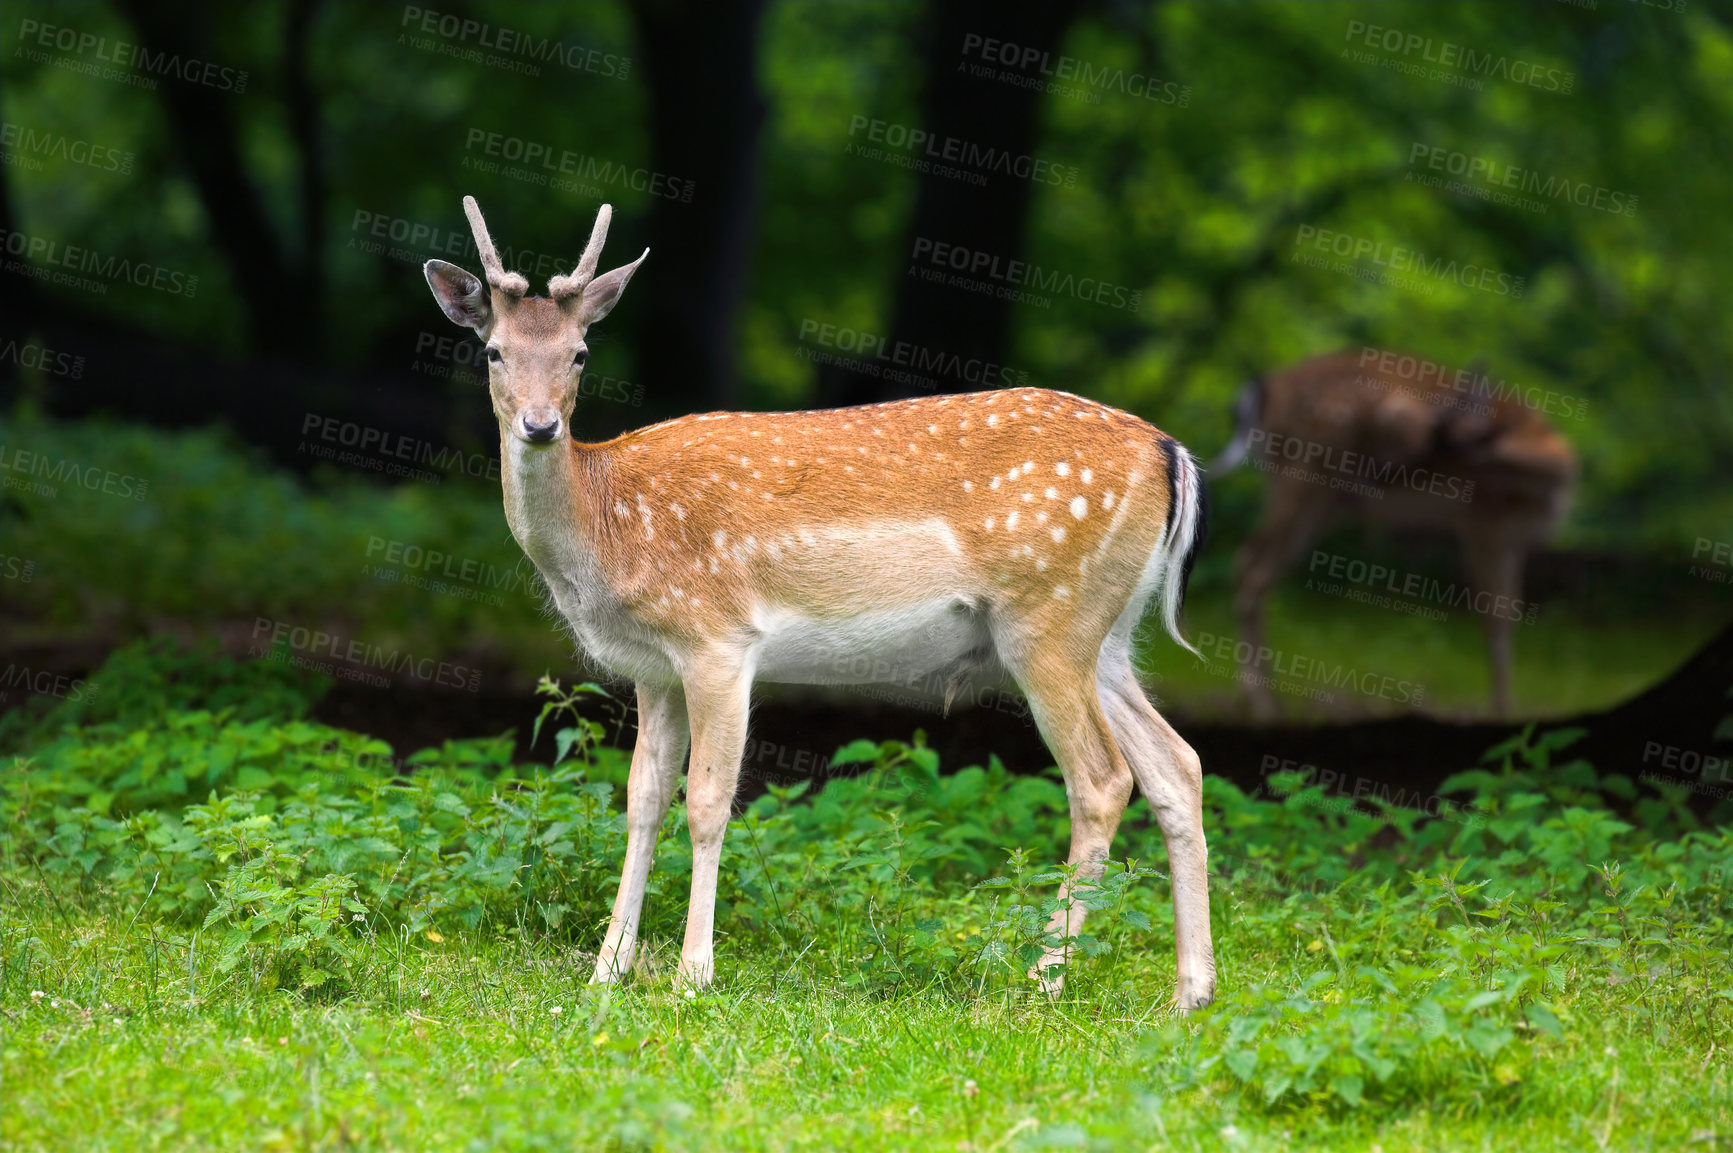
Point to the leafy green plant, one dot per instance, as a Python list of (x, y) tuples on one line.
[(1406, 957)]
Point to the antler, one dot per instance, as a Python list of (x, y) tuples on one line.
[(573, 283), (512, 283)]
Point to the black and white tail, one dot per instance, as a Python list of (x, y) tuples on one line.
[(1187, 528)]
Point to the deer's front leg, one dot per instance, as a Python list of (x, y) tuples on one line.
[(656, 759), (718, 697)]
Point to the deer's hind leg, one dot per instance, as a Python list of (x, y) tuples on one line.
[(1295, 514), (1062, 697), (1171, 777), (1494, 554)]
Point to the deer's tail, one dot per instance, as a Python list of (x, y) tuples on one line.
[(1248, 410), (1187, 527)]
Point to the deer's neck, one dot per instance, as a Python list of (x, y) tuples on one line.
[(550, 495)]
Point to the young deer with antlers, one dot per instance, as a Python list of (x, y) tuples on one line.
[(1397, 440), (1013, 535)]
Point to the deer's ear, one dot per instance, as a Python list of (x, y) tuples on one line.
[(602, 293), (462, 297)]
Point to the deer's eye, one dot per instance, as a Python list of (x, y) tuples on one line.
[(583, 355), (492, 354)]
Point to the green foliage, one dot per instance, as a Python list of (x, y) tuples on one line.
[(325, 553), (1401, 957), (142, 681)]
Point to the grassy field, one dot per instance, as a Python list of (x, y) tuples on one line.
[(479, 1044), (225, 927), (1572, 660)]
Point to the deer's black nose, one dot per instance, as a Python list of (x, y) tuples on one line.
[(541, 431)]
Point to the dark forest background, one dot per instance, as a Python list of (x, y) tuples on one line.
[(252, 190)]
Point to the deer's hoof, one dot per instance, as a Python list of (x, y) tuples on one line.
[(1190, 997)]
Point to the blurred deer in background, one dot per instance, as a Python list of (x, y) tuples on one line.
[(1397, 440), (1015, 535)]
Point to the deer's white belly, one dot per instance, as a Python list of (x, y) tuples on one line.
[(899, 645)]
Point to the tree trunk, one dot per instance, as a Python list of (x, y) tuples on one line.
[(984, 113), (272, 289), (687, 311)]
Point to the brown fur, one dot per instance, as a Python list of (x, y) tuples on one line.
[(1495, 473)]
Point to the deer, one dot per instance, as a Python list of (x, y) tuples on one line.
[(1394, 439), (1012, 537)]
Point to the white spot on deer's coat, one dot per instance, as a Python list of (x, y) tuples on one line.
[(1052, 492), (1011, 521), (1087, 476), (968, 486), (1058, 534), (1107, 501), (1062, 468), (1079, 507)]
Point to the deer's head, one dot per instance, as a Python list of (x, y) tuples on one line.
[(535, 344)]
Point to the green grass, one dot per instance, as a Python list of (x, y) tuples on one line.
[(779, 1056), (223, 927), (1574, 659)]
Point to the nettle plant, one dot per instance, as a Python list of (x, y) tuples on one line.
[(1395, 953)]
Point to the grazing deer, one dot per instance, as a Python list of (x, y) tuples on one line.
[(1015, 534), (1402, 441)]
